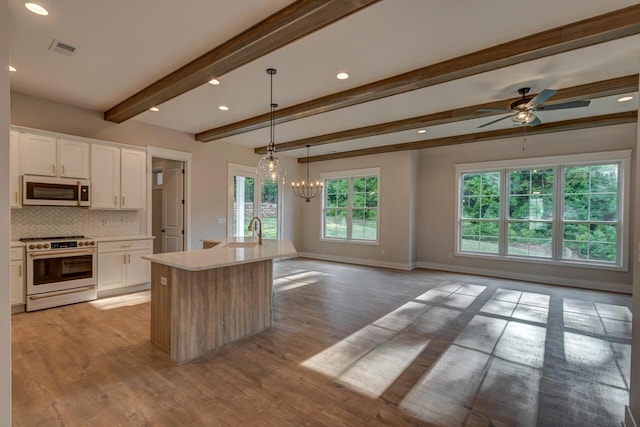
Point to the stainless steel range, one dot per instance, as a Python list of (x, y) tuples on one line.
[(60, 270)]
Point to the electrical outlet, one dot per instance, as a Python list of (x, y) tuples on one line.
[(222, 220), (163, 280)]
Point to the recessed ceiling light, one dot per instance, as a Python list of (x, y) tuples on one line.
[(223, 108), (214, 81), (625, 98), (422, 131), (342, 76), (154, 109), (36, 8), (12, 68)]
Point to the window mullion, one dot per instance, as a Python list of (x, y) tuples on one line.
[(558, 212), (503, 243), (349, 208)]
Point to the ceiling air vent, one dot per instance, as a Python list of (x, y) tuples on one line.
[(62, 48)]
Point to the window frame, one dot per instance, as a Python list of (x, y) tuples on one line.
[(349, 175), (558, 164)]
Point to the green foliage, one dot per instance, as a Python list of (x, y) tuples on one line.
[(269, 192), (363, 208), (590, 209)]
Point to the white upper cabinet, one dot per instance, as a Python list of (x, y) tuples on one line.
[(14, 170), (133, 179), (38, 154), (118, 178), (49, 156), (73, 159), (105, 177)]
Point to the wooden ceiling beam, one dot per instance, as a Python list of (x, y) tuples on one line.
[(599, 89), (563, 126), (289, 24), (599, 29)]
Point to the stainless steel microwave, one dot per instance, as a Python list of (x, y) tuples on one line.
[(46, 191)]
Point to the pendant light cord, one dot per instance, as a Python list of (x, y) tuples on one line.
[(272, 118)]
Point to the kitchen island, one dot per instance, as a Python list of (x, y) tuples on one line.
[(204, 299)]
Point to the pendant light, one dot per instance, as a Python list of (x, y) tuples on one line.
[(307, 190), (270, 168)]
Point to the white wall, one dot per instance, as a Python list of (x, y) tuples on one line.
[(394, 250), (437, 194), (5, 306), (633, 411), (209, 161)]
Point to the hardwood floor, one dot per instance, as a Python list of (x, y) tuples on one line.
[(350, 345)]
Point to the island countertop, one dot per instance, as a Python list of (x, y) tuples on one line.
[(228, 252)]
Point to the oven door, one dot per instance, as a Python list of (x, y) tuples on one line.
[(65, 269)]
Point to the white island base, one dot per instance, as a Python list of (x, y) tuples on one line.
[(204, 299)]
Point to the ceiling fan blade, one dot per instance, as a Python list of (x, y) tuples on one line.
[(564, 105), (535, 122), (493, 110), (496, 121), (540, 98)]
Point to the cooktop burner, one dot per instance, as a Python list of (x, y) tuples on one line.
[(40, 239)]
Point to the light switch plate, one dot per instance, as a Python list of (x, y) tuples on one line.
[(221, 220), (163, 280)]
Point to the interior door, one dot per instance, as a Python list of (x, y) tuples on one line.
[(173, 207)]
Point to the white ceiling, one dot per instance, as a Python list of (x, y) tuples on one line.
[(125, 45)]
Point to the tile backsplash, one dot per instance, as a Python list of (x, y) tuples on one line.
[(41, 221)]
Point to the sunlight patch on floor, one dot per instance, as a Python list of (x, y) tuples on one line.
[(118, 301), (371, 359), (297, 280)]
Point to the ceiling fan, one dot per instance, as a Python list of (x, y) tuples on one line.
[(523, 110)]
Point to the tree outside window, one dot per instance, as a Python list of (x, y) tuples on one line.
[(351, 208), (566, 210)]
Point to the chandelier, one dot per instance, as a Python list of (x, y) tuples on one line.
[(270, 168), (307, 190)]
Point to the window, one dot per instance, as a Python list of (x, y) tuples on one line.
[(530, 221), (567, 209), (350, 206), (246, 200), (480, 211)]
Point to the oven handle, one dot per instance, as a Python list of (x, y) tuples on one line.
[(50, 254), (70, 291)]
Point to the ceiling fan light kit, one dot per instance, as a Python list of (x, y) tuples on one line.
[(270, 168), (522, 111)]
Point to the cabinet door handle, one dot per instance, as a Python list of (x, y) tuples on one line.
[(16, 196), (20, 270), (124, 259), (128, 259), (122, 200), (53, 168), (115, 200), (62, 169)]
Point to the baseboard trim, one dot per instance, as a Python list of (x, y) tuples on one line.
[(629, 421), (551, 280), (359, 261), (122, 291)]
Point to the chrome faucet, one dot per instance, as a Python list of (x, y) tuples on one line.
[(256, 218)]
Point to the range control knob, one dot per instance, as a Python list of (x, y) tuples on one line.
[(32, 246), (80, 243), (92, 243), (46, 246), (38, 246)]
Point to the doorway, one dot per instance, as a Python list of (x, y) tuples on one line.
[(169, 199), (248, 198)]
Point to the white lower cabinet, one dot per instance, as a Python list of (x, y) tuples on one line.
[(120, 263), (17, 276)]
